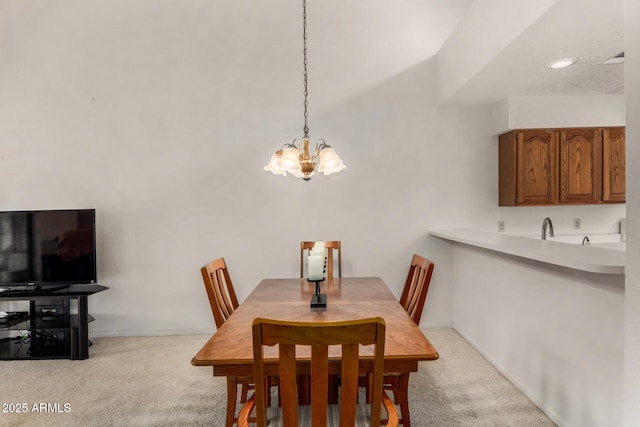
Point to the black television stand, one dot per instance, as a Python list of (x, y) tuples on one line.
[(49, 330), (49, 288)]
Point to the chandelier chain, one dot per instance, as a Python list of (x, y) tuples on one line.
[(304, 54)]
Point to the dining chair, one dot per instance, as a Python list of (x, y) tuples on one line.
[(319, 336), (224, 302), (412, 300), (330, 247), (416, 286), (222, 296)]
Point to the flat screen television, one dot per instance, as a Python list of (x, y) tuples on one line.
[(47, 249)]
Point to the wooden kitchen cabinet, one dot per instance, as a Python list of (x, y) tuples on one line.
[(561, 166), (580, 165), (528, 167), (613, 161)]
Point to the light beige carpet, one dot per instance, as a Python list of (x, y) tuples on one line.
[(150, 381)]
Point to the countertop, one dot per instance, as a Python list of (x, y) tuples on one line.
[(591, 258)]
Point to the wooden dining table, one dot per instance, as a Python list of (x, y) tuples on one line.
[(230, 350)]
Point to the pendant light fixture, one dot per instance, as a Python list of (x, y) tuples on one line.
[(290, 158)]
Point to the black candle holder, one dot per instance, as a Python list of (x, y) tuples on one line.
[(318, 300)]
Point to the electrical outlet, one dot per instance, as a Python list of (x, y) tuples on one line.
[(500, 226), (576, 223)]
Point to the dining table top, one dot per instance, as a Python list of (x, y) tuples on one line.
[(230, 349)]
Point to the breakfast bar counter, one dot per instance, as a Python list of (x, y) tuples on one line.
[(590, 258)]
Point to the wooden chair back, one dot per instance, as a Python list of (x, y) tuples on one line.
[(220, 291), (416, 287), (330, 246), (348, 334)]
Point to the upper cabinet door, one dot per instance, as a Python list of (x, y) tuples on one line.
[(580, 165), (613, 168), (537, 164)]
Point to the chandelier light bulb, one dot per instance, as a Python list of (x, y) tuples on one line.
[(290, 160), (329, 161)]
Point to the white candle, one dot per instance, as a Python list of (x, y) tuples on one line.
[(316, 251), (315, 265)]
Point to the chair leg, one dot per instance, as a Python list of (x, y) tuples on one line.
[(402, 398), (244, 391), (232, 394)]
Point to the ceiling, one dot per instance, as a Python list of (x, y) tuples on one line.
[(591, 30), (354, 45)]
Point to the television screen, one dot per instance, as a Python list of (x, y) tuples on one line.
[(47, 247)]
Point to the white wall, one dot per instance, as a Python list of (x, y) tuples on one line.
[(632, 329), (162, 116), (557, 333), (558, 112)]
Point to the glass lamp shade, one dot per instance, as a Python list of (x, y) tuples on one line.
[(329, 161), (275, 166), (299, 174), (290, 160)]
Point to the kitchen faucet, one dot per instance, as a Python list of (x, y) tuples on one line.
[(547, 223)]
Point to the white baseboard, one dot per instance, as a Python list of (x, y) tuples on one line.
[(151, 333), (436, 326)]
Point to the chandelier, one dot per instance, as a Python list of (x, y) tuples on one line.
[(290, 158)]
